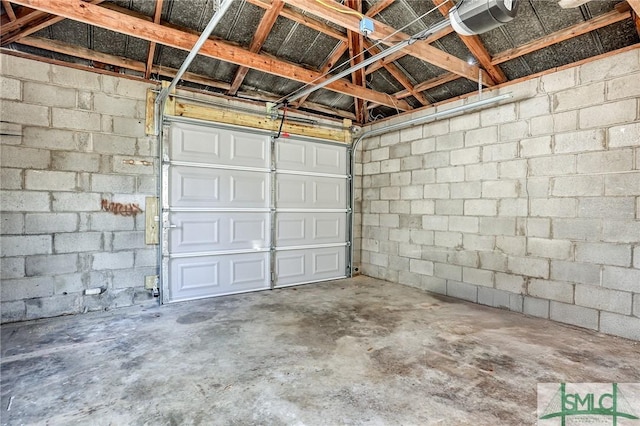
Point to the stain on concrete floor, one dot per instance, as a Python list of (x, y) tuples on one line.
[(352, 352)]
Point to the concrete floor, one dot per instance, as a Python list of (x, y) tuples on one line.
[(356, 352)]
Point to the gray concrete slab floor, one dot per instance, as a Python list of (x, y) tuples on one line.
[(354, 352)]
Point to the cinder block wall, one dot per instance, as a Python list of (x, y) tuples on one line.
[(67, 136), (532, 205)]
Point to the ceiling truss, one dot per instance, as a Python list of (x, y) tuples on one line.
[(22, 18)]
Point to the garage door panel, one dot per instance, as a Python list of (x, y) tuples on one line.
[(198, 144), (308, 265), (194, 144), (309, 192), (296, 229), (249, 150), (304, 156), (204, 232), (195, 187), (249, 188), (223, 194), (207, 276)]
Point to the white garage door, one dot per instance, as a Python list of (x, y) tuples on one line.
[(238, 217)]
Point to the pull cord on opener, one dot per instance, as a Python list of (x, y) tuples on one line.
[(284, 114)]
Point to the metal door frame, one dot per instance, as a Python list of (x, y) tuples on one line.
[(163, 185)]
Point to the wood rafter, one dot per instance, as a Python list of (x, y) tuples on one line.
[(260, 36), (118, 61), (114, 21), (157, 13), (421, 87), (307, 21), (421, 50), (343, 46), (356, 57), (329, 63), (635, 15), (34, 24), (395, 56), (562, 35), (378, 7), (9, 9), (24, 16), (399, 75), (475, 46)]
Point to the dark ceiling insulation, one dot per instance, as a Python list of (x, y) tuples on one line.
[(294, 38)]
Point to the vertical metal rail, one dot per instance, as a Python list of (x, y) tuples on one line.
[(350, 214), (272, 213)]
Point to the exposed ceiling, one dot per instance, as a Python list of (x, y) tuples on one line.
[(266, 49)]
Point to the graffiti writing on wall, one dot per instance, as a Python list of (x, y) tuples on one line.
[(129, 209)]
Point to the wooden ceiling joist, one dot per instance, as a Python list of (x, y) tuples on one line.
[(400, 76), (33, 25), (635, 15), (395, 56), (157, 13), (342, 47), (338, 14), (301, 19), (9, 9), (425, 85), (329, 63), (356, 52), (124, 63), (260, 36), (562, 35), (114, 21)]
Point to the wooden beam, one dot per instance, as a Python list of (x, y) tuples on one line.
[(92, 55), (635, 5), (562, 35), (341, 48), (421, 50), (379, 7), (400, 77), (9, 10), (264, 28), (355, 58), (28, 16), (229, 116), (34, 26), (20, 12), (307, 21), (152, 46), (395, 56), (114, 21), (475, 46), (335, 56), (425, 85)]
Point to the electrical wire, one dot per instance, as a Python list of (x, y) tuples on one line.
[(337, 9), (422, 35)]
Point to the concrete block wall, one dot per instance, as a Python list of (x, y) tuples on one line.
[(66, 138), (532, 205)]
